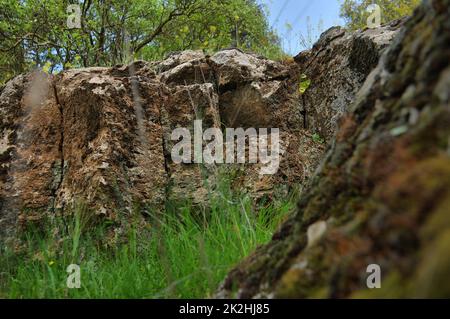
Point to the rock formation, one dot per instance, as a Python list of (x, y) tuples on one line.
[(102, 136), (378, 195), (336, 66), (365, 128), (382, 193)]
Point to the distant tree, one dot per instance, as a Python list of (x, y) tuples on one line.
[(355, 13), (35, 33)]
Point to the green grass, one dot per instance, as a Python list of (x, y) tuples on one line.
[(184, 253)]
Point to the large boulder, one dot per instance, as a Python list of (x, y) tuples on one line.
[(102, 136), (335, 69), (382, 194)]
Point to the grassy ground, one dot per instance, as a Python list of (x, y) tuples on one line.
[(183, 255)]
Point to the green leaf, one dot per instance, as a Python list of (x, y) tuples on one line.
[(318, 139), (305, 83)]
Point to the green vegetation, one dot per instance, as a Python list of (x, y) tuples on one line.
[(304, 84), (36, 33), (182, 254), (318, 139), (355, 13)]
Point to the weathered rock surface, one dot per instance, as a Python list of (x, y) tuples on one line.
[(337, 66), (382, 194), (101, 136), (29, 149)]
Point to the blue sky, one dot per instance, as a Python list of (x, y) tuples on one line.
[(296, 13)]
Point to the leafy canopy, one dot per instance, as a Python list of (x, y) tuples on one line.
[(355, 13), (35, 33)]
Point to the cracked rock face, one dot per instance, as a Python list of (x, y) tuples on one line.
[(337, 66), (30, 168), (382, 194), (102, 136)]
